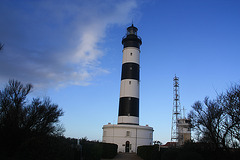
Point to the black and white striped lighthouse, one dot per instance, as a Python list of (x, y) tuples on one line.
[(129, 92), (128, 134)]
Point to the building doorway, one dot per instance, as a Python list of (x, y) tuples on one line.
[(127, 145)]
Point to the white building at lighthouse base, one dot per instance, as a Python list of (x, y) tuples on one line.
[(127, 137)]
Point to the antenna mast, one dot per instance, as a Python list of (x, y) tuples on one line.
[(176, 109)]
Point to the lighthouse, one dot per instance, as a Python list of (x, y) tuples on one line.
[(129, 92), (127, 133)]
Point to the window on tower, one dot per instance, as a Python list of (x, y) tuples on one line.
[(128, 133), (131, 54), (129, 82)]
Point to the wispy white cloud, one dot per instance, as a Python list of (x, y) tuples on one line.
[(57, 43)]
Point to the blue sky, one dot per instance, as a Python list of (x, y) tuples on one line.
[(71, 51)]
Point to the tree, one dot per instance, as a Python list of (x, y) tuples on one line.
[(20, 121), (218, 121), (1, 46), (206, 119), (231, 102), (42, 116)]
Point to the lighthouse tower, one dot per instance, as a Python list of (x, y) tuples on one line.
[(129, 92), (128, 134)]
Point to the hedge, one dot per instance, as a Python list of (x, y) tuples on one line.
[(61, 148), (196, 151), (148, 152), (109, 150), (98, 150)]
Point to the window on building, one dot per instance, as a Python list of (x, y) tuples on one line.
[(130, 82), (128, 133), (131, 54)]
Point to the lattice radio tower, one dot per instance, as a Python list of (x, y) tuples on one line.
[(176, 109)]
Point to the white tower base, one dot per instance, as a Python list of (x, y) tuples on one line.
[(127, 137)]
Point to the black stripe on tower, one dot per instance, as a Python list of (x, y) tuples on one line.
[(130, 71), (128, 106), (131, 41)]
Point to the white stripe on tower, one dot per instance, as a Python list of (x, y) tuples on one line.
[(129, 91)]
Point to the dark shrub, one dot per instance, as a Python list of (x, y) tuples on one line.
[(45, 148), (91, 150), (189, 156), (148, 152), (109, 150), (97, 150), (170, 154)]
